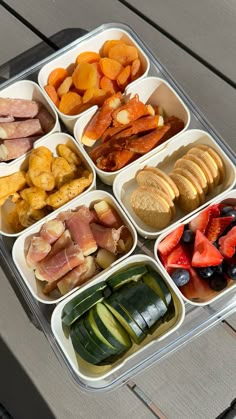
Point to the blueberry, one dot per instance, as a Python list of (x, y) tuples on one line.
[(231, 271), (228, 211), (219, 269), (180, 277), (188, 236), (216, 244), (206, 273), (218, 282)]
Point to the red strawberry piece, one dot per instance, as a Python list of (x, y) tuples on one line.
[(205, 253), (227, 243), (200, 222), (217, 226), (214, 211), (170, 241), (179, 257), (197, 289)]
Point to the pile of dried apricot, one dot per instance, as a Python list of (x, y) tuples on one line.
[(94, 77)]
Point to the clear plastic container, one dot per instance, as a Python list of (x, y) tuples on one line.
[(197, 319)]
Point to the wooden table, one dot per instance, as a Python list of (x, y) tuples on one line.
[(197, 381)]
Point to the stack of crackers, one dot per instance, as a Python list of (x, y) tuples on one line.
[(194, 176)]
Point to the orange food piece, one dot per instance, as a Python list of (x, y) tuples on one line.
[(87, 57), (57, 76), (70, 103), (124, 77), (110, 86), (109, 44), (97, 67), (85, 76), (65, 86), (136, 69), (94, 96), (70, 69), (123, 53), (52, 93), (110, 68)]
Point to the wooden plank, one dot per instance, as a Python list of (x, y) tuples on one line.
[(35, 385), (198, 381), (205, 26), (15, 38), (232, 321), (214, 97)]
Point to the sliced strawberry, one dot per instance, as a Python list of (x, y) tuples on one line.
[(179, 258), (170, 241), (200, 222), (217, 226), (205, 253), (227, 243)]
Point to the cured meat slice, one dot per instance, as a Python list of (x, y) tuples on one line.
[(19, 108), (107, 215), (78, 275), (52, 230), (20, 129), (106, 237), (12, 149), (8, 118), (46, 119), (38, 250), (52, 268), (81, 233), (64, 241)]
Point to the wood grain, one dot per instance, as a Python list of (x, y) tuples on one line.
[(232, 320)]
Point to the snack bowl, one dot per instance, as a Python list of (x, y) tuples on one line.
[(165, 159), (150, 90), (91, 42), (51, 142), (22, 244), (26, 89), (198, 292), (138, 352)]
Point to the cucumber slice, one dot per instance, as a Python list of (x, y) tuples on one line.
[(82, 296), (97, 336), (132, 274), (160, 286), (110, 328), (87, 342), (80, 349), (82, 307), (146, 301), (125, 320)]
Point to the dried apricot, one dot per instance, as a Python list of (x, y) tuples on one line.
[(84, 76), (110, 68), (109, 44), (70, 103), (94, 96), (136, 69), (52, 93), (65, 86), (87, 57), (123, 53), (110, 86), (124, 77), (57, 76)]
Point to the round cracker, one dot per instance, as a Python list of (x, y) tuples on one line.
[(150, 207), (195, 170), (204, 167), (164, 176), (188, 199), (217, 159), (194, 181), (205, 156), (149, 178)]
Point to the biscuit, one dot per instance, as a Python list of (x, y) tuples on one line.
[(188, 199), (204, 167), (217, 159), (149, 178), (150, 207), (194, 181), (195, 170), (164, 176), (206, 157)]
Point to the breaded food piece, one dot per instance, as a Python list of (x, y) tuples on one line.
[(9, 185), (35, 197), (71, 157), (62, 171), (28, 216), (40, 173)]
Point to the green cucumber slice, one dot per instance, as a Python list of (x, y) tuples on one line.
[(80, 349), (87, 342), (110, 328), (82, 296), (125, 320), (96, 334), (132, 274), (82, 307), (160, 286)]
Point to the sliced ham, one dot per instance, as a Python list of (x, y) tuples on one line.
[(46, 119), (8, 118), (38, 250), (55, 267), (78, 275), (19, 108), (63, 242), (52, 230), (106, 237), (12, 149), (20, 129), (80, 231), (107, 215)]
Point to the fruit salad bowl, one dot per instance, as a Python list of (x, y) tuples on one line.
[(199, 255)]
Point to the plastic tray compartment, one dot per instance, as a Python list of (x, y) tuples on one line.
[(94, 375), (92, 43), (151, 90), (228, 198), (26, 89), (125, 182), (21, 245), (51, 142)]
